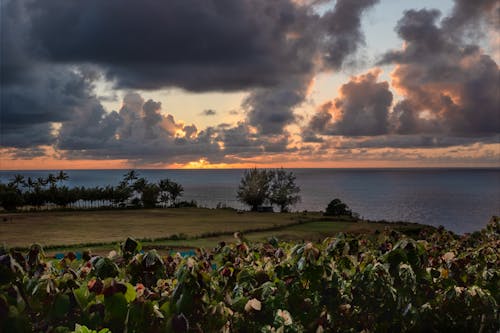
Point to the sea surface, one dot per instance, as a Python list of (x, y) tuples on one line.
[(462, 200)]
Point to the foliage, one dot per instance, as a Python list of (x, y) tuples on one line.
[(254, 187), (51, 192), (185, 204), (337, 208), (283, 190), (274, 186), (10, 197), (385, 282)]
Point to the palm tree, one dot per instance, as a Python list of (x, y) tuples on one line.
[(62, 176), (40, 182), (30, 183), (175, 190), (164, 185), (140, 184), (51, 179), (17, 180), (129, 177)]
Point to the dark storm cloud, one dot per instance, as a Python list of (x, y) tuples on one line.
[(138, 131), (468, 16), (273, 48), (33, 95), (406, 141), (343, 30), (450, 85), (325, 45), (270, 110), (197, 45)]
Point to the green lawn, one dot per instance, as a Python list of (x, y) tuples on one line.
[(76, 227), (100, 230)]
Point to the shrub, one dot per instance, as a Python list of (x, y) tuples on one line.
[(337, 208)]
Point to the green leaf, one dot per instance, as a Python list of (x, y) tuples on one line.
[(130, 294), (115, 308), (106, 268), (82, 296), (61, 305)]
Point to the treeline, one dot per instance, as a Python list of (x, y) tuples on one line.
[(49, 192)]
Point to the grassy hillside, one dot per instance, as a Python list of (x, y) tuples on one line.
[(162, 228)]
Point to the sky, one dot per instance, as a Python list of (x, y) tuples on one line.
[(237, 84)]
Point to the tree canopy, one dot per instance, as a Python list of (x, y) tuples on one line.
[(276, 187), (337, 208)]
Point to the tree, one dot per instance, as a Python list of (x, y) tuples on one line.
[(51, 179), (121, 195), (337, 208), (41, 182), (139, 185), (175, 190), (62, 176), (17, 180), (30, 183), (254, 187), (10, 197), (283, 190), (129, 177), (164, 195), (149, 195)]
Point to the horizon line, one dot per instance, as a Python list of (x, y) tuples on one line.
[(300, 168)]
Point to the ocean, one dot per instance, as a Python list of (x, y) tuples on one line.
[(462, 200)]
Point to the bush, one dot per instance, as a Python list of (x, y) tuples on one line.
[(337, 208), (185, 204)]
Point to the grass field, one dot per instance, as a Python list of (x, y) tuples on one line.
[(74, 227), (99, 230)]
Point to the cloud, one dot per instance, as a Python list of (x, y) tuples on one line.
[(34, 95), (274, 48), (209, 112), (344, 34), (199, 46), (361, 109), (138, 131), (53, 51), (449, 85), (270, 110), (326, 44)]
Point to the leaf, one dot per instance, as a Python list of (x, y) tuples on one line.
[(61, 305), (105, 268), (82, 296), (253, 305), (130, 294), (115, 308)]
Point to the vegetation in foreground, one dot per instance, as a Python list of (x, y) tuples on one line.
[(347, 283)]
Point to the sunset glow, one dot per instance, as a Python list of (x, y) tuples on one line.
[(340, 84)]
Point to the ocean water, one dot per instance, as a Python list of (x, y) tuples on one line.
[(462, 200)]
